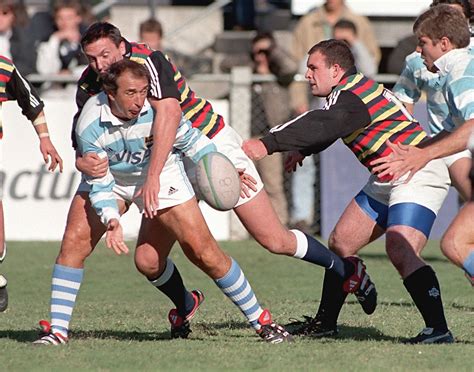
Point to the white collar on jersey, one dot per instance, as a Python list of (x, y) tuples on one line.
[(107, 116), (446, 62)]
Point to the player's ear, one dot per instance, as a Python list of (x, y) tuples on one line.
[(122, 48), (446, 44)]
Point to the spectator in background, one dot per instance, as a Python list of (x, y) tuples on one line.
[(14, 40), (312, 28), (270, 108), (62, 53), (346, 30), (151, 33)]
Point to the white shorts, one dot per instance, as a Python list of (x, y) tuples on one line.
[(415, 204), (428, 188), (175, 187), (449, 160), (229, 142)]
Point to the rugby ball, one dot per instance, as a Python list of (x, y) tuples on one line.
[(218, 181)]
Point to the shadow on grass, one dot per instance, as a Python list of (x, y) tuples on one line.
[(28, 336), (383, 256)]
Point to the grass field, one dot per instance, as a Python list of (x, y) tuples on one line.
[(120, 320)]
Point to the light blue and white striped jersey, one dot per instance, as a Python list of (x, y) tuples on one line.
[(457, 69), (127, 145), (415, 79)]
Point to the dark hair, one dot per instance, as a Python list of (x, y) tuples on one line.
[(100, 30), (336, 52), (466, 6), (66, 4), (346, 24), (109, 78), (443, 21), (263, 36), (151, 25)]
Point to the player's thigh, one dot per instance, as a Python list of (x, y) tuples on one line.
[(459, 174), (458, 240), (261, 221), (354, 229), (191, 231), (154, 244)]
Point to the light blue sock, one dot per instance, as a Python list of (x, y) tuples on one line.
[(468, 264), (236, 287), (64, 289)]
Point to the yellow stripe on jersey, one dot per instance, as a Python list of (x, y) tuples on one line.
[(210, 125), (374, 94), (139, 60), (418, 139), (387, 113), (195, 109), (383, 138), (6, 66), (357, 78), (354, 135)]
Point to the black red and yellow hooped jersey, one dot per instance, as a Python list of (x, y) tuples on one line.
[(361, 112), (13, 86), (166, 82)]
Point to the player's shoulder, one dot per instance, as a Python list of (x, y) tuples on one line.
[(6, 65), (91, 112)]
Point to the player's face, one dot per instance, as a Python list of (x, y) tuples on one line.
[(430, 51), (130, 97), (102, 53), (321, 78)]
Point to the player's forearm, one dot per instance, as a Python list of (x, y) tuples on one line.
[(40, 125), (164, 131), (451, 143)]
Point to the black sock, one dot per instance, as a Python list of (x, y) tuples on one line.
[(332, 298), (424, 289), (171, 284)]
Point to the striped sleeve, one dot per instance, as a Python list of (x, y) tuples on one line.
[(101, 195), (192, 142), (162, 77), (19, 89), (461, 92)]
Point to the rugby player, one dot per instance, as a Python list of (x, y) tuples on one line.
[(117, 124), (15, 87), (363, 114), (443, 40)]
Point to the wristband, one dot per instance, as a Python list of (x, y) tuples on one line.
[(43, 135)]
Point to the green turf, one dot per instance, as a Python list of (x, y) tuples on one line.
[(120, 320)]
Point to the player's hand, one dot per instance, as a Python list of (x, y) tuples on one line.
[(247, 183), (149, 193), (292, 160), (254, 149), (50, 155), (404, 159), (92, 165), (114, 237)]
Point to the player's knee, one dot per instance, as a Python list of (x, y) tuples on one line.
[(449, 244), (75, 247)]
